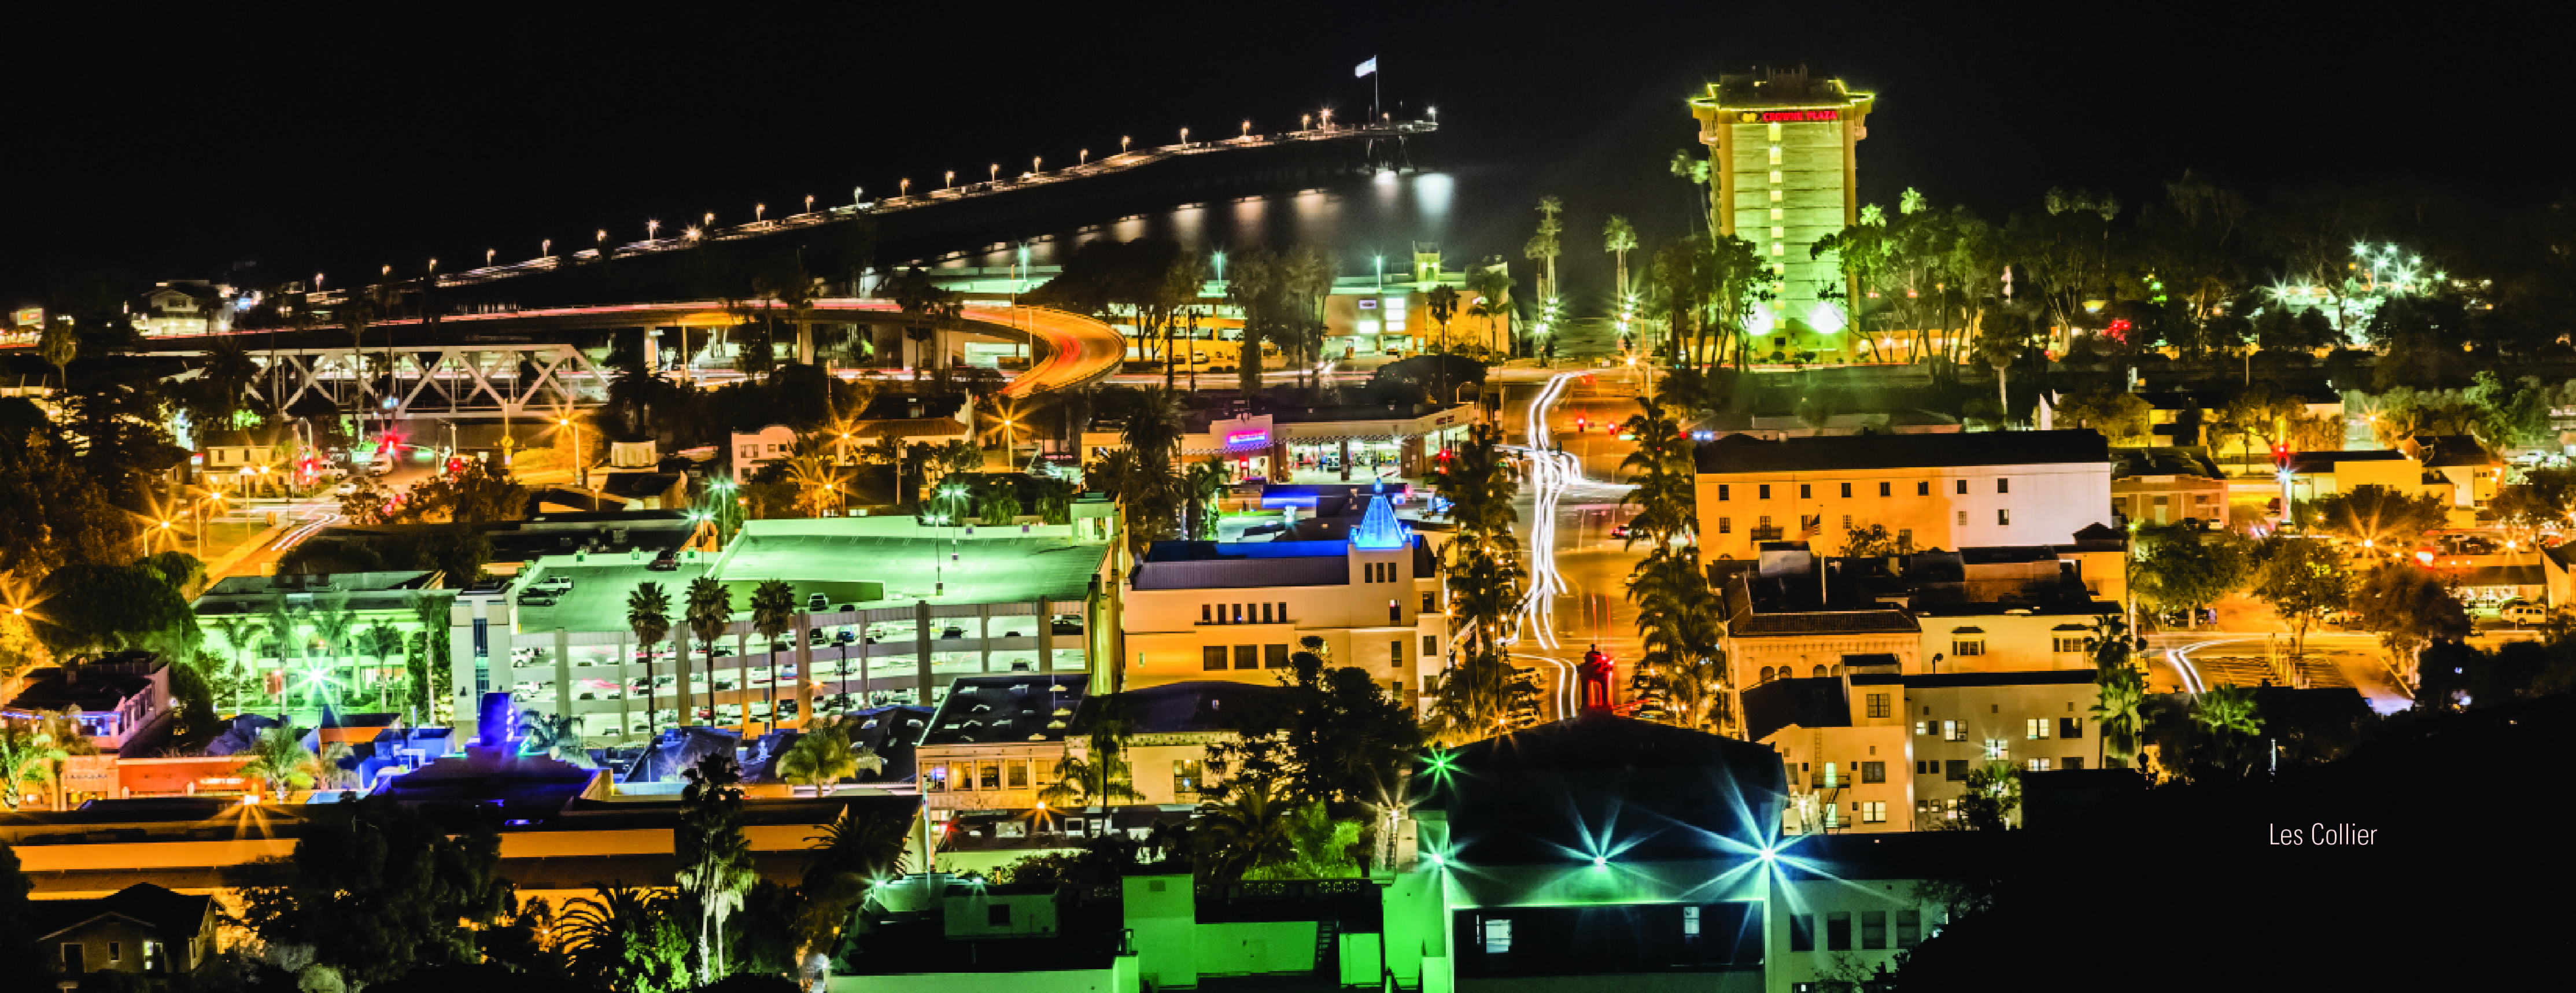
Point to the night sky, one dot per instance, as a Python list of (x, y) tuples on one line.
[(172, 146)]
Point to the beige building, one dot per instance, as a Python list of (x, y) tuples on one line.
[(995, 742), (1171, 729), (1929, 491), (1198, 610), (1880, 751), (2167, 485)]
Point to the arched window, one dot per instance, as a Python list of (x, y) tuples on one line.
[(1820, 672), (1766, 675)]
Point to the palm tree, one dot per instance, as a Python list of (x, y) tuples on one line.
[(1489, 291), (29, 750), (2227, 709), (648, 615), (278, 760), (380, 642), (286, 634), (1443, 301), (821, 757), (773, 614), (1250, 829), (1543, 246), (624, 940), (870, 845), (710, 611), (1201, 485), (555, 736), (332, 624), (236, 631), (2121, 713), (1618, 238)]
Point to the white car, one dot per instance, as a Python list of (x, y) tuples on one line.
[(2523, 614)]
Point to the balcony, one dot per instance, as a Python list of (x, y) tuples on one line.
[(1768, 534)]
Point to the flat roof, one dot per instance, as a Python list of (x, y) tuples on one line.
[(1743, 453)]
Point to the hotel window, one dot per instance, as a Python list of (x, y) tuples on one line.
[(1778, 214), (1203, 613), (1186, 776), (1873, 924), (1394, 614), (1430, 605), (2071, 643), (1775, 196), (1954, 730), (1963, 487), (1846, 491), (1838, 928), (1871, 811), (1909, 928), (1774, 130), (2035, 729), (1726, 525), (1238, 613), (1873, 772), (1779, 249), (2003, 517), (1968, 647), (1886, 489), (1265, 613), (1283, 613), (988, 775), (1395, 654), (1019, 774), (1690, 922), (1212, 658), (1247, 656), (2003, 485), (1806, 492), (1765, 522), (936, 781), (1778, 232), (1925, 727), (1775, 158), (1926, 767), (1955, 770), (1802, 932), (1775, 177), (1498, 937), (2070, 727), (1274, 656), (1963, 518), (1430, 645), (2039, 765), (1725, 492), (1998, 749), (1923, 488), (1878, 705), (1765, 491)]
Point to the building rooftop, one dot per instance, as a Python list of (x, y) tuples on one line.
[(1743, 453), (2130, 462), (1018, 708), (1189, 707), (177, 916), (1950, 680), (94, 687), (1598, 783), (1196, 565)]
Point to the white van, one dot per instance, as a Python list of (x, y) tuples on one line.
[(2523, 614)]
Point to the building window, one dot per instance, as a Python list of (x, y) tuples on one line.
[(1777, 213), (1955, 770), (1871, 811), (1806, 492), (1774, 130), (1274, 656), (1765, 491), (1963, 518), (1247, 656), (1765, 523), (1498, 937), (1883, 489), (1204, 613), (936, 780), (1802, 933), (1905, 539), (1846, 491), (988, 775), (2072, 644), (1394, 614), (1019, 772), (2003, 517), (1775, 160), (1967, 647), (1779, 232), (151, 955), (1873, 772), (1238, 613), (1186, 775), (1838, 936), (1212, 658), (2035, 729), (1924, 727), (1430, 604), (1954, 730), (1775, 196), (1430, 646), (2003, 485), (1998, 749), (1775, 177), (1690, 922), (2072, 764), (1873, 928), (1926, 767), (2070, 727), (1265, 613), (1723, 491), (1909, 928), (1395, 654), (1726, 525), (2039, 765), (1846, 522), (1878, 705), (1963, 487)]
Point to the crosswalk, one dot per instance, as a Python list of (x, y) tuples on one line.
[(2252, 670)]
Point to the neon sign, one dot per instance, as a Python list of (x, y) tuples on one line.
[(1785, 116), (1257, 437)]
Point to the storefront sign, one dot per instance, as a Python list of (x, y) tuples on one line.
[(1256, 437), (1792, 116)]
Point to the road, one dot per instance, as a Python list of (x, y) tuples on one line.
[(1577, 572)]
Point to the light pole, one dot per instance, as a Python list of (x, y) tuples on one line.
[(809, 203), (545, 248), (904, 188), (948, 180), (994, 174), (1185, 137), (1122, 144), (1084, 159), (487, 256), (581, 466), (652, 229), (759, 212)]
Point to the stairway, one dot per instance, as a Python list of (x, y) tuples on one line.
[(1328, 950)]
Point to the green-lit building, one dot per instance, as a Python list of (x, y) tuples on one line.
[(1783, 175)]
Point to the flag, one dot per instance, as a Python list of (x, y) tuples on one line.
[(1365, 68)]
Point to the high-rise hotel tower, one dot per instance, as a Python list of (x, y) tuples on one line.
[(1781, 161)]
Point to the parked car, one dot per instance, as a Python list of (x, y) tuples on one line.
[(2523, 613), (666, 563), (817, 602), (536, 600)]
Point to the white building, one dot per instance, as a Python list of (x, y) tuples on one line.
[(1928, 490)]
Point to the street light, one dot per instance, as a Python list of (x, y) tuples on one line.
[(545, 248), (1247, 129), (809, 203), (1037, 163), (487, 256), (1122, 144), (1085, 158), (904, 189), (1185, 137), (995, 173), (949, 180), (651, 228), (759, 211), (1305, 122)]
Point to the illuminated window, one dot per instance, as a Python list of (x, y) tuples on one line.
[(1775, 157), (2003, 518), (1778, 214), (1873, 812), (1498, 937), (1779, 249), (1998, 750), (1775, 196), (2070, 727), (2039, 765), (1954, 730), (1775, 130), (1878, 705), (1778, 231), (2035, 729), (1775, 177), (1690, 915)]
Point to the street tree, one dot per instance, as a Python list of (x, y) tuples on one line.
[(378, 890), (709, 612), (773, 615), (2304, 580), (625, 939), (1618, 237), (2409, 608), (2180, 566), (2376, 517), (715, 858)]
